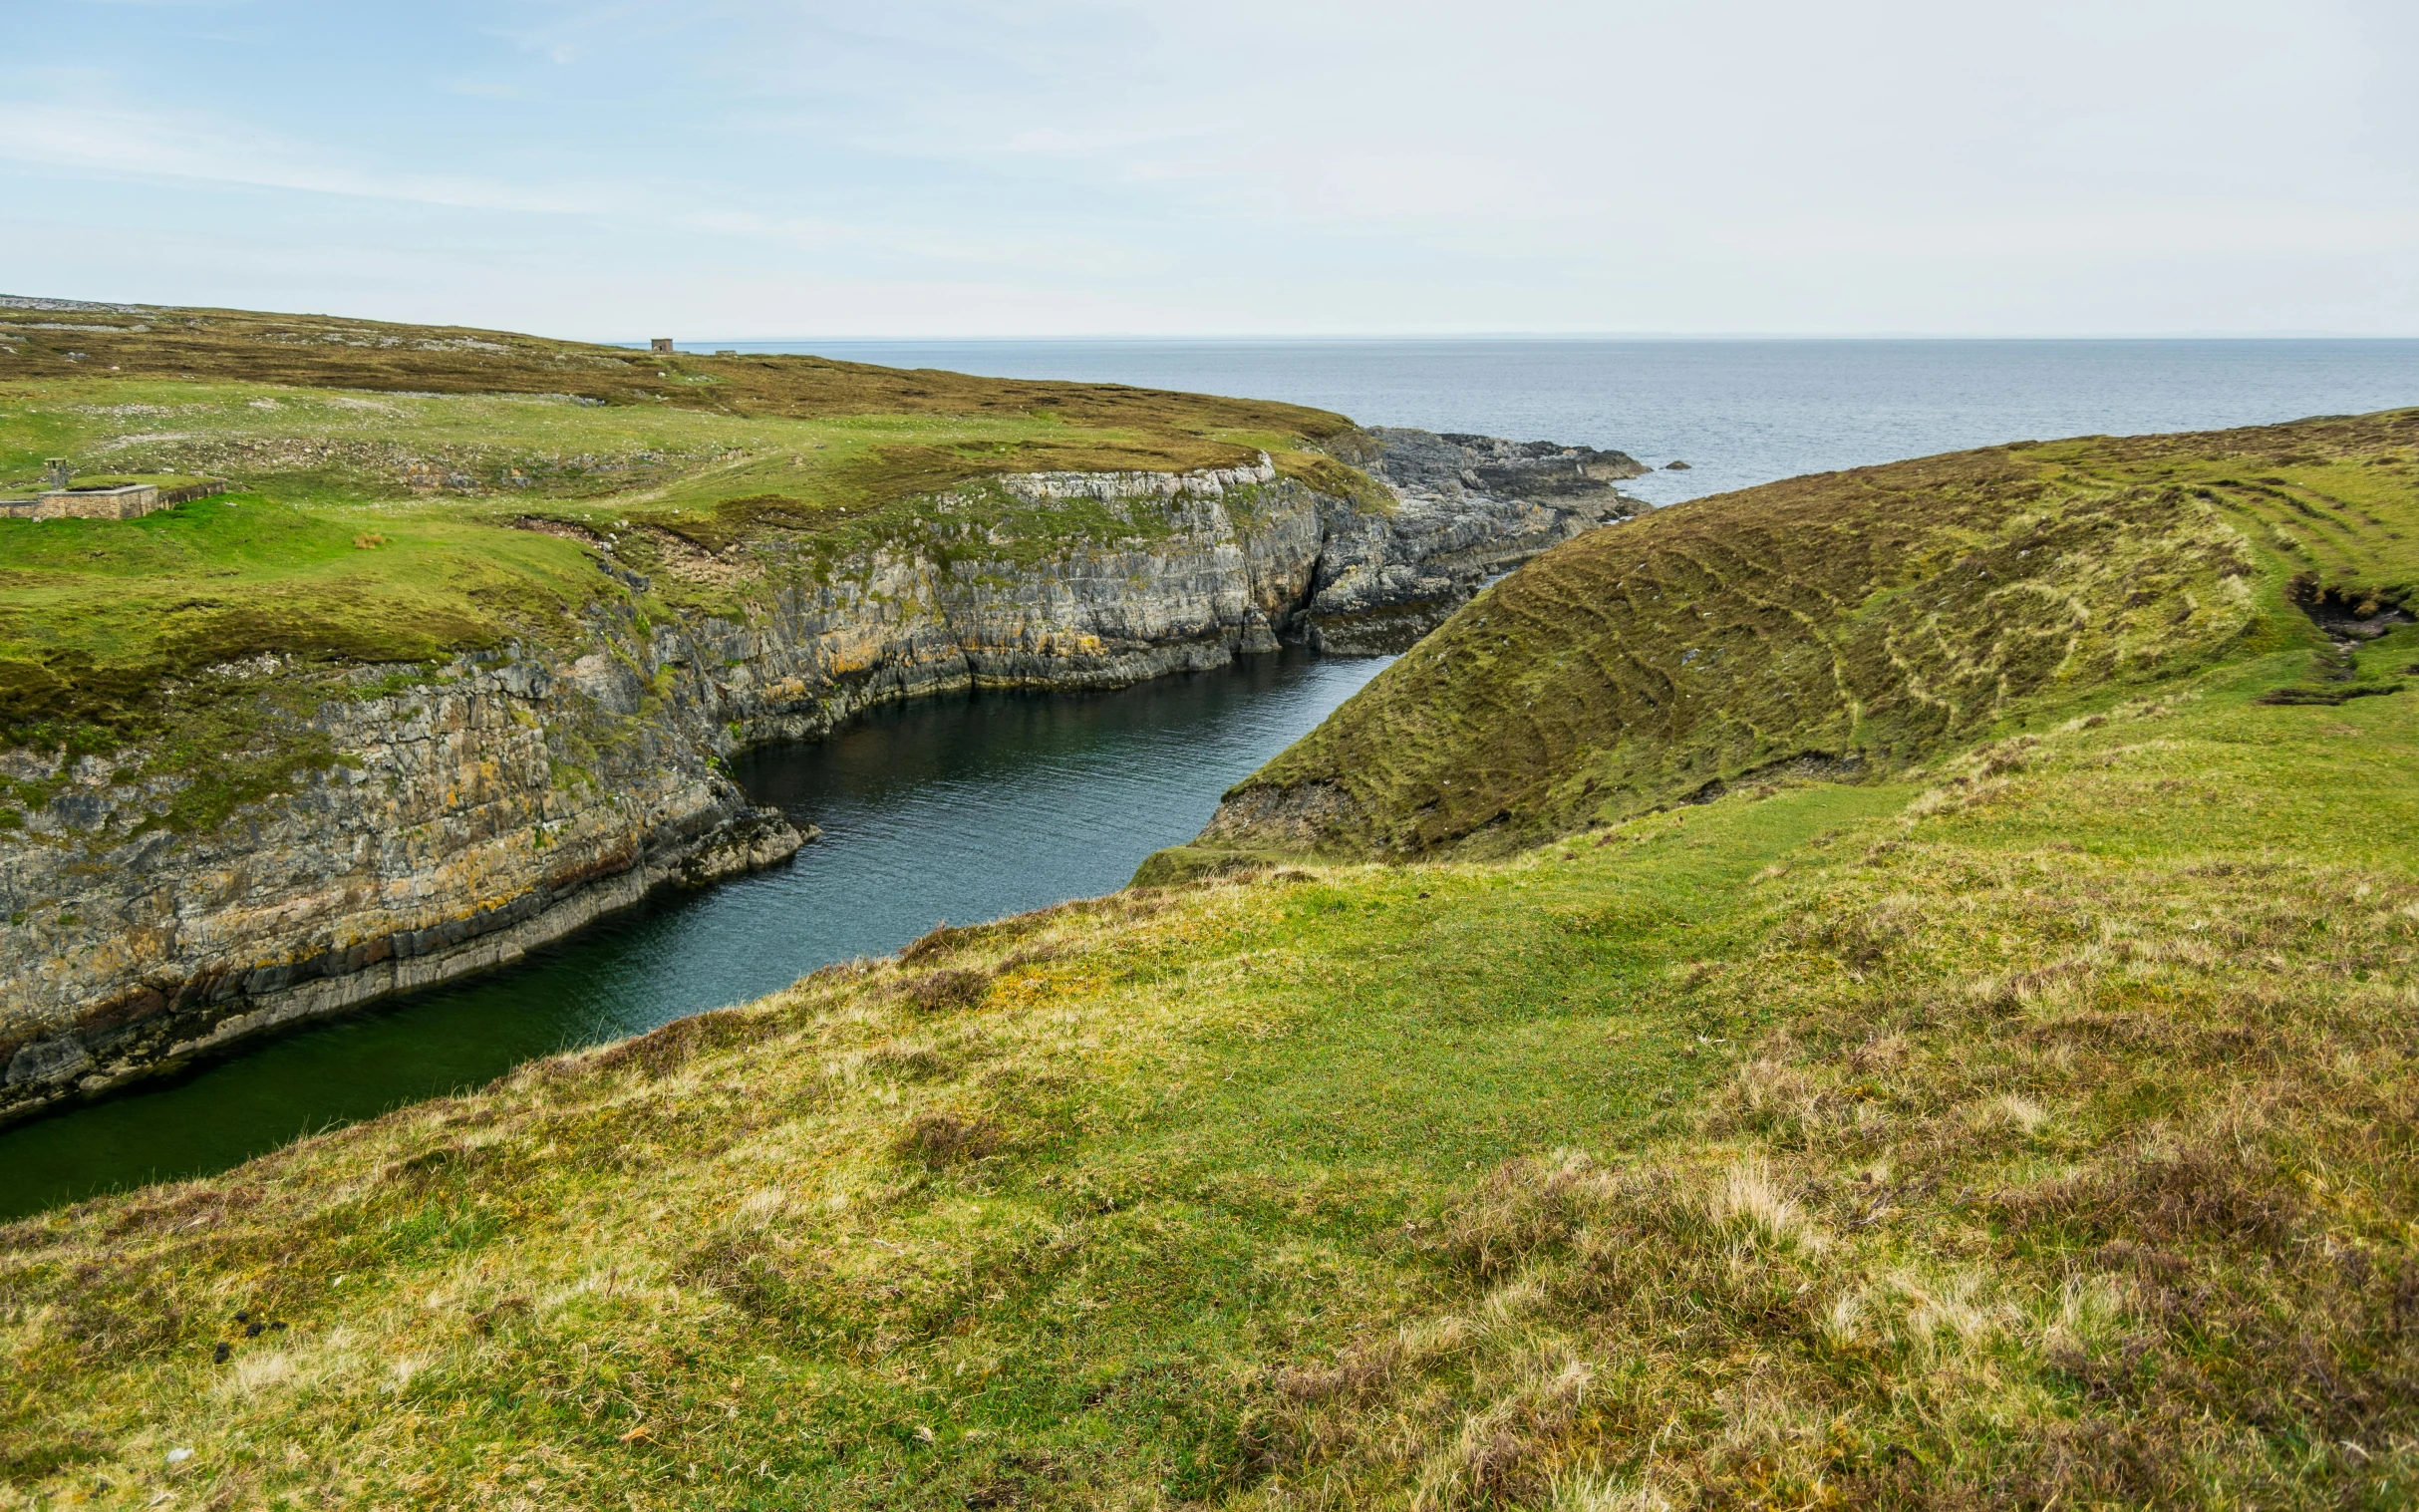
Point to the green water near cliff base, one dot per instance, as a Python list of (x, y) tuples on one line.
[(959, 808)]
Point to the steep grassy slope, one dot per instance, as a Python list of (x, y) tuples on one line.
[(1849, 623)]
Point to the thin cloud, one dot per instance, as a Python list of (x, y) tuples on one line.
[(100, 139), (1267, 163)]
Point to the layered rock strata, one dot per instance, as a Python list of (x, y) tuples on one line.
[(503, 801), (1468, 510)]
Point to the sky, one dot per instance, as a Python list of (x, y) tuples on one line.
[(749, 169)]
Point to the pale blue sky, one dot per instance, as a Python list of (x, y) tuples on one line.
[(741, 169)]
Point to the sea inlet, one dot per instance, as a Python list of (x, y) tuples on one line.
[(955, 808)]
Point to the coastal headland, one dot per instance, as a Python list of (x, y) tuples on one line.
[(451, 663), (1889, 989)]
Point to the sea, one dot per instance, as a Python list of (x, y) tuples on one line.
[(1737, 412)]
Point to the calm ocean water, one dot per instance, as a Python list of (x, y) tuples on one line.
[(1738, 412), (967, 808)]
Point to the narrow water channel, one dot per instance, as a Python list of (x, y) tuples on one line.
[(957, 808)]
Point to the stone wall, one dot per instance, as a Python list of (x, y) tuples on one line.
[(131, 501)]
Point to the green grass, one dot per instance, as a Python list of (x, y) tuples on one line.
[(382, 359), (380, 472), (180, 578), (161, 480), (2031, 1125), (144, 636), (1246, 1192)]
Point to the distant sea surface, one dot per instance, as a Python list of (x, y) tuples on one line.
[(1737, 412)]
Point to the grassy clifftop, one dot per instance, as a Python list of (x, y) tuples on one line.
[(2043, 1135), (57, 342), (2037, 1126), (379, 473), (1851, 623)]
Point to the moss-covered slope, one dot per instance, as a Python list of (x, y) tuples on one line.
[(1849, 622)]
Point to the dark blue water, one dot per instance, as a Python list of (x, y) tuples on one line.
[(1739, 412)]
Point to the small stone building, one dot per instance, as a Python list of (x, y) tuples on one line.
[(132, 501), (661, 344), (119, 502)]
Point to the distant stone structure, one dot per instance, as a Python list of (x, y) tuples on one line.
[(57, 473), (123, 501), (727, 352), (132, 502), (661, 344)]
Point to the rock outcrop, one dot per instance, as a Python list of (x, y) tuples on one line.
[(1468, 510), (498, 803)]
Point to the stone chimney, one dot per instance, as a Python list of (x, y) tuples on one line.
[(661, 344), (56, 474)]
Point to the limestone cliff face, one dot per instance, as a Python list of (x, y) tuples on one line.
[(503, 801)]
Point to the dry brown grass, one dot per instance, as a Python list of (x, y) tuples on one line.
[(327, 352)]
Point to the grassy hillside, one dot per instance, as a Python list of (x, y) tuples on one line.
[(2033, 1124), (135, 343), (380, 472), (1852, 624)]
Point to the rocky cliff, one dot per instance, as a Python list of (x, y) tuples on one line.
[(1468, 509), (457, 815)]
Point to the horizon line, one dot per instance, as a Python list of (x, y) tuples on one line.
[(684, 342), (2290, 334)]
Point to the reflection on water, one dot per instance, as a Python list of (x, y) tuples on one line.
[(959, 809)]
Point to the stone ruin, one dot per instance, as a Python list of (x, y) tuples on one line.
[(131, 501), (660, 344)]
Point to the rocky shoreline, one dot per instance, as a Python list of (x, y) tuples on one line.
[(510, 799)]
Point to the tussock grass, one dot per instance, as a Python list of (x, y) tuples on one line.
[(2031, 1122)]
